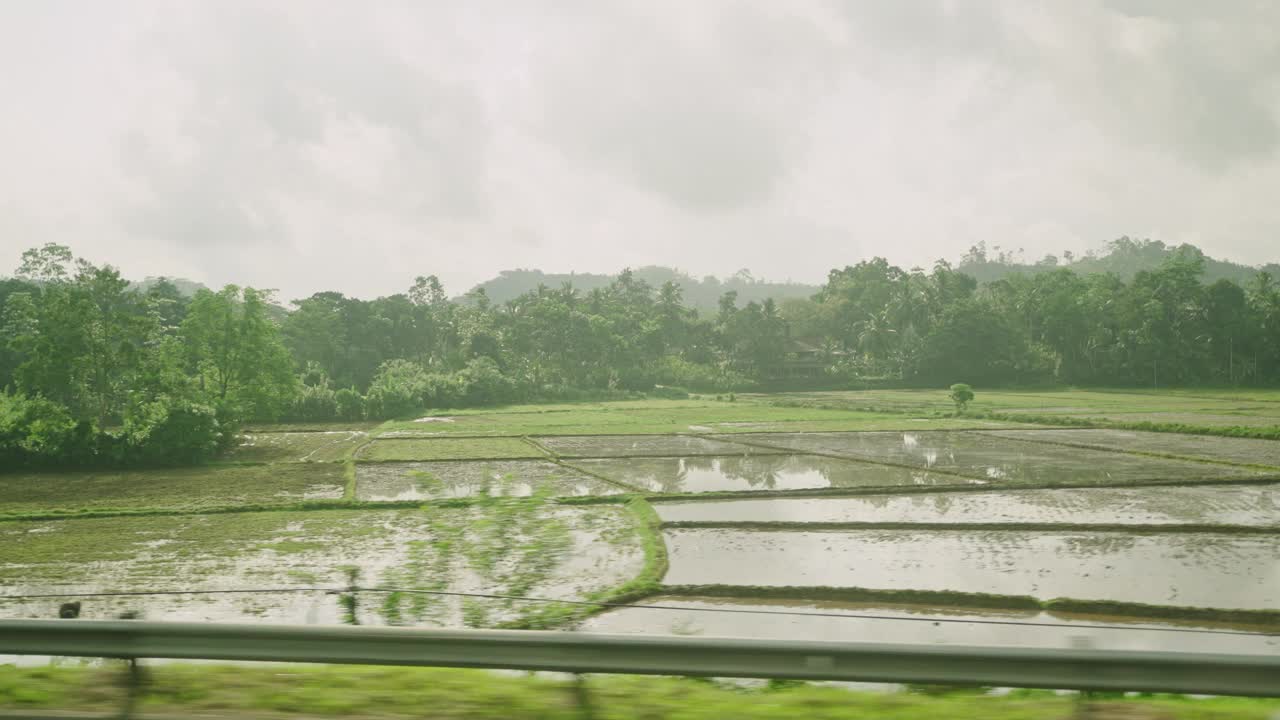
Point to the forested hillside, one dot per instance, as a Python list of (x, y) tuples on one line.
[(702, 295), (97, 371), (1124, 257)]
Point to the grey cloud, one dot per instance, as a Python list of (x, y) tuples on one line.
[(310, 145), (267, 89), (709, 123), (1203, 88)]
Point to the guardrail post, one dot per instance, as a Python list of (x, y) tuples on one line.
[(582, 696), (134, 679)]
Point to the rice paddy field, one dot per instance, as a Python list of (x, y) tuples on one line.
[(1043, 517)]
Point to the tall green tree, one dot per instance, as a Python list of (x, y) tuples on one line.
[(236, 352)]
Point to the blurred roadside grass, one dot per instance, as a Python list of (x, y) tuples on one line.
[(273, 691)]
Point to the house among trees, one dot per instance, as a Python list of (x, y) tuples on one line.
[(803, 359)]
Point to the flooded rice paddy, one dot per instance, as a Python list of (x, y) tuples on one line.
[(1250, 505), (914, 624), (697, 474), (321, 446), (1222, 449), (390, 481), (402, 450), (645, 446), (517, 539), (534, 549), (1002, 460), (171, 488), (1204, 570)]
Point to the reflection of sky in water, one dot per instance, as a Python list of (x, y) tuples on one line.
[(759, 472), (991, 457), (1202, 570), (383, 482)]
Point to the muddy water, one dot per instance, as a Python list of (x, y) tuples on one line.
[(758, 472), (912, 624), (1201, 570), (644, 446), (1001, 459), (1255, 505), (1241, 450), (382, 482)]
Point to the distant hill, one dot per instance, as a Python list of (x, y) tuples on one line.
[(702, 294), (188, 288), (1124, 257)]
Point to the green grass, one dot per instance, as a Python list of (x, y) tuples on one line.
[(191, 489), (366, 692), (498, 448), (1045, 402)]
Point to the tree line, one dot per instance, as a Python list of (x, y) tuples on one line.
[(97, 372)]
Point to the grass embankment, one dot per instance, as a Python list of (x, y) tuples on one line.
[(177, 690), (1268, 619), (648, 582), (1172, 411)]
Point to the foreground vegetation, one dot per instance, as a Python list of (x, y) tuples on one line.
[(284, 691)]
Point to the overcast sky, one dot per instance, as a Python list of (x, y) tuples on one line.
[(319, 144)]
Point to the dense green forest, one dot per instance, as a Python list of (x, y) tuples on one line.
[(97, 371)]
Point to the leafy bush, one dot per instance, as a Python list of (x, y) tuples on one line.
[(961, 394), (397, 390), (701, 378), (174, 433), (485, 384), (348, 404), (315, 403), (36, 432)]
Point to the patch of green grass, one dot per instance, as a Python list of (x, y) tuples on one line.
[(389, 692), (190, 489), (447, 449), (1064, 401)]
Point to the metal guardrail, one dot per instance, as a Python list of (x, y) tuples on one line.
[(1078, 669)]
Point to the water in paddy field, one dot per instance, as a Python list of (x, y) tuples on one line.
[(391, 481), (1224, 449), (1003, 460), (1251, 505), (758, 472), (1194, 570), (645, 446), (911, 624)]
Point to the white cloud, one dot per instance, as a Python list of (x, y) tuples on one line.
[(311, 146)]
